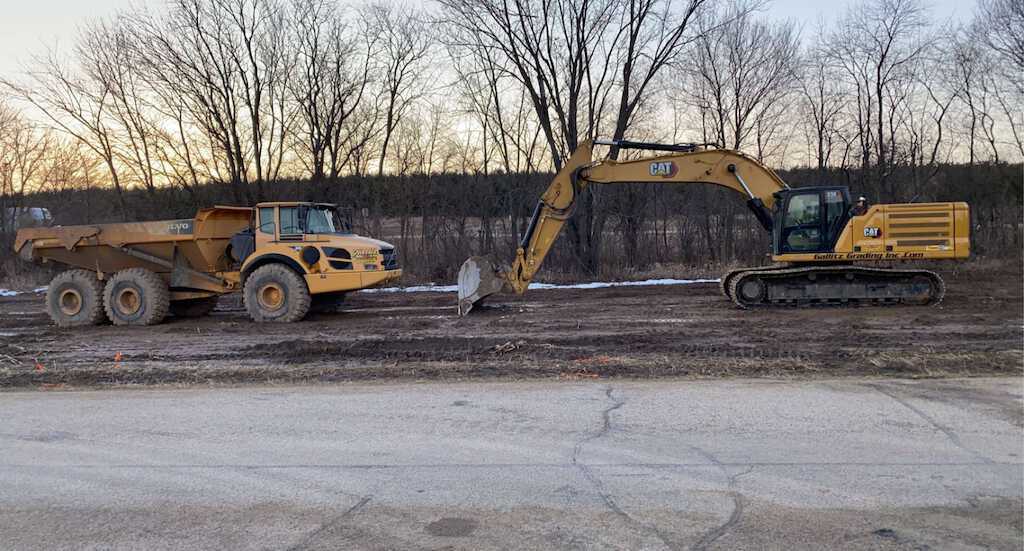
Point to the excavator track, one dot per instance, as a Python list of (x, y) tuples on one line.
[(724, 284), (843, 285)]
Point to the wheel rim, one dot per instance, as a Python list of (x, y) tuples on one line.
[(70, 302), (128, 301), (271, 296), (752, 289)]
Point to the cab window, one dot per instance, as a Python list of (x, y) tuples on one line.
[(801, 228), (291, 223), (835, 214), (320, 220), (267, 220)]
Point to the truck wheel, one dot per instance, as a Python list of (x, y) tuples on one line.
[(136, 296), (75, 299), (194, 307), (327, 303), (276, 293)]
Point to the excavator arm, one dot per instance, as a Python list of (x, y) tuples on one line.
[(685, 164)]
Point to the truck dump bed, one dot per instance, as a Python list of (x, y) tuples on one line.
[(183, 248)]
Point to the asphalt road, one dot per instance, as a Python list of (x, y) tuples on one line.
[(871, 464)]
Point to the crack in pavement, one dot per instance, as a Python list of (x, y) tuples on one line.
[(330, 523), (595, 481), (737, 506), (952, 436), (719, 531), (606, 427)]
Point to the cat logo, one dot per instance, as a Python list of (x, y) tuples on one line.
[(872, 232), (665, 169)]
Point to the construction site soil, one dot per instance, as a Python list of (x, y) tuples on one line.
[(677, 331)]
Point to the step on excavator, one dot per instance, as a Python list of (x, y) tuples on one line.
[(824, 251)]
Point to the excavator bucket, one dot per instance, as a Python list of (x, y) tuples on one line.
[(479, 278)]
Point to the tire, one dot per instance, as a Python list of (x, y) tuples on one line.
[(275, 293), (195, 307), (327, 303), (136, 296), (75, 299)]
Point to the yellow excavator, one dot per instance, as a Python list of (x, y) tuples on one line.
[(822, 248)]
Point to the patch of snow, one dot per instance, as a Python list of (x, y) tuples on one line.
[(590, 285), (604, 284), (415, 289), (10, 293)]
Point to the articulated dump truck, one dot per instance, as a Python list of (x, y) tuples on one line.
[(287, 259)]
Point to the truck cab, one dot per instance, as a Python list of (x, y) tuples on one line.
[(316, 244), (315, 240)]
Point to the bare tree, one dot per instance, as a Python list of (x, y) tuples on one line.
[(999, 25), (553, 49), (480, 80), (108, 60), (404, 46), (572, 58), (933, 110), (741, 75), (329, 83), (24, 149), (227, 61), (875, 44), (652, 35), (823, 101), (77, 107), (968, 66), (1003, 32)]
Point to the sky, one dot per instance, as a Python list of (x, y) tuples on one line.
[(30, 26)]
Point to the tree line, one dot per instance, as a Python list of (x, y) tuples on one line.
[(438, 220), (235, 100)]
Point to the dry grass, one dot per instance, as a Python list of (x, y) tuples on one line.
[(23, 276)]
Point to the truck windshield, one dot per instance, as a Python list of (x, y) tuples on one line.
[(325, 220)]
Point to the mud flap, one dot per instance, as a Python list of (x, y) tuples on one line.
[(479, 278)]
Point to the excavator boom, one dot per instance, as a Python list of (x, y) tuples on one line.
[(481, 277)]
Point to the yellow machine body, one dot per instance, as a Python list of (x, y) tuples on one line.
[(901, 231), (810, 227), (193, 255), (369, 263)]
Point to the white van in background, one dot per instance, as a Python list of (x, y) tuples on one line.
[(24, 217)]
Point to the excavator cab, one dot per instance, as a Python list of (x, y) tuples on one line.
[(809, 220)]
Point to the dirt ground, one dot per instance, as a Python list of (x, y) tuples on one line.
[(689, 331)]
